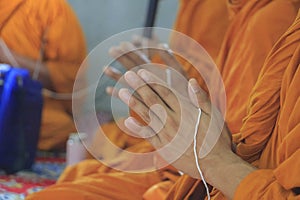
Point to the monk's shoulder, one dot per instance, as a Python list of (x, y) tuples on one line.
[(267, 25), (48, 9), (278, 14)]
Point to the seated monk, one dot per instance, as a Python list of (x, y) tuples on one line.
[(91, 172), (264, 161), (239, 67), (82, 174), (45, 33)]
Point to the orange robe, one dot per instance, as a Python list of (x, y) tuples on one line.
[(205, 21), (80, 179), (22, 25), (249, 37), (273, 145), (237, 28), (269, 137)]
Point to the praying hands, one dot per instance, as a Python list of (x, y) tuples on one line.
[(172, 119)]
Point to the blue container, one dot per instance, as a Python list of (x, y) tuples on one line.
[(21, 105)]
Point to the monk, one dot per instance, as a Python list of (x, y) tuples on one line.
[(239, 66), (92, 172), (265, 162), (81, 174), (45, 34)]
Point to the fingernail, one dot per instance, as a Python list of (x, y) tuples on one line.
[(145, 58), (114, 52), (132, 125), (112, 92), (124, 95), (126, 46), (164, 46), (194, 85), (144, 74), (114, 70), (109, 90), (131, 77), (167, 48)]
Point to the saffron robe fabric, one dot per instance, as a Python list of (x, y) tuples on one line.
[(269, 137), (75, 173), (92, 172), (248, 40)]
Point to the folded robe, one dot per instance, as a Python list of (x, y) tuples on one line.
[(269, 137)]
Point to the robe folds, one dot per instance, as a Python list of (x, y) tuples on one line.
[(269, 137), (23, 24), (249, 38), (205, 21), (239, 17)]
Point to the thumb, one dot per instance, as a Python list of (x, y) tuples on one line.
[(198, 96)]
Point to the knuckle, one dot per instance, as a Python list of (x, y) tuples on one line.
[(132, 102), (151, 100)]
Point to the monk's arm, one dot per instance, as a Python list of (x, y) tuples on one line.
[(31, 65), (65, 49), (237, 179), (225, 172)]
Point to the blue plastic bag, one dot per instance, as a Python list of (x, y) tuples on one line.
[(21, 105)]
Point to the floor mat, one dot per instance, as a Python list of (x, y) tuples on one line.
[(45, 171)]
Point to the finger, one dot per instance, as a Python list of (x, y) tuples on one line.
[(113, 73), (148, 96), (122, 57), (116, 75), (198, 96), (136, 55), (140, 108), (146, 44), (137, 40), (138, 129), (160, 88), (114, 92), (143, 131), (170, 60)]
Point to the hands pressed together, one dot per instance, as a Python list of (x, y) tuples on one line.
[(171, 112)]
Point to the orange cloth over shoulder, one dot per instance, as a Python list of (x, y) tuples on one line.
[(205, 21), (269, 137), (272, 143), (23, 24), (248, 40)]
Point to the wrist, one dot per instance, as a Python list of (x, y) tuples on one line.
[(213, 165), (226, 171)]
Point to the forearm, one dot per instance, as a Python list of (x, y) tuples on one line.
[(226, 172), (31, 65)]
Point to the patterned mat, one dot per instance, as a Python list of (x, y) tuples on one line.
[(44, 172)]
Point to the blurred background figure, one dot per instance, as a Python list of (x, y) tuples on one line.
[(45, 37)]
